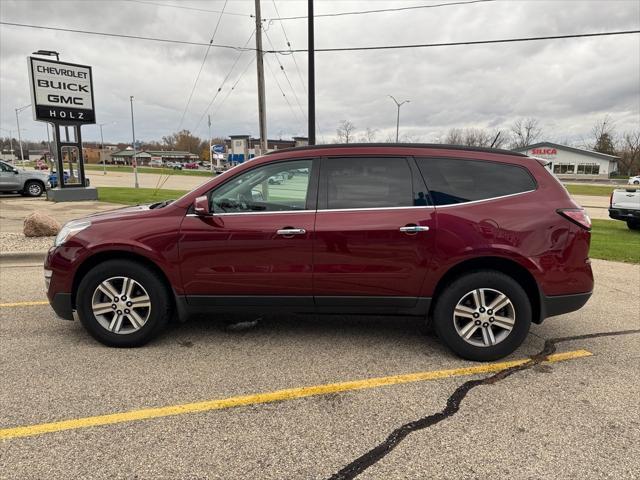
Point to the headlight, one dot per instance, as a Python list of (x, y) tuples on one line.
[(71, 229)]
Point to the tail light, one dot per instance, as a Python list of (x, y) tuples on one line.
[(577, 216)]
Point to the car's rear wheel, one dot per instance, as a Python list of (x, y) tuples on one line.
[(633, 224), (122, 303), (483, 315), (33, 188)]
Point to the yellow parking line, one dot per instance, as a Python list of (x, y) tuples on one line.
[(23, 304), (276, 396)]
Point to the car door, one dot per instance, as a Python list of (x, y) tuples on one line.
[(257, 245), (375, 231), (9, 179)]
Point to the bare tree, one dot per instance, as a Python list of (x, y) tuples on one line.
[(455, 137), (629, 153), (603, 137), (345, 132), (369, 135), (525, 132)]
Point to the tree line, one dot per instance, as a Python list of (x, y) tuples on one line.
[(604, 138)]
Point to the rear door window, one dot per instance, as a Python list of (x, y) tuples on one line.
[(350, 183), (452, 181)]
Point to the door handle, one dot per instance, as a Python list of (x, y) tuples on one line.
[(287, 232), (414, 229)]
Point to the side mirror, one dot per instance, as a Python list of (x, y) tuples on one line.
[(201, 206)]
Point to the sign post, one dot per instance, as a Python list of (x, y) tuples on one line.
[(62, 95)]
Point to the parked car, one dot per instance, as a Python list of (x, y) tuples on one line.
[(191, 165), (174, 165), (479, 243), (624, 204), (634, 180), (53, 178), (28, 183), (277, 179), (155, 163)]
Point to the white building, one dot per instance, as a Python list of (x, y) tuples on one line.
[(568, 161)]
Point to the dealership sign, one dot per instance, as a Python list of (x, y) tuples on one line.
[(544, 151), (61, 92)]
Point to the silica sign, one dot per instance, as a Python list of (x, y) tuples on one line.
[(61, 92)]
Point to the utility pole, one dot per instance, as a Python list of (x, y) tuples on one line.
[(312, 76), (135, 161), (262, 113), (210, 152), (398, 117)]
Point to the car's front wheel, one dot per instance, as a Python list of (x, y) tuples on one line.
[(33, 188), (122, 303), (483, 315)]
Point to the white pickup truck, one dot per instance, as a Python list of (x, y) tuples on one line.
[(624, 204)]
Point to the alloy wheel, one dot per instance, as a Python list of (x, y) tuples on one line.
[(484, 317), (121, 305), (35, 189)]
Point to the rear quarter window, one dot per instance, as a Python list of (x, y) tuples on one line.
[(452, 181)]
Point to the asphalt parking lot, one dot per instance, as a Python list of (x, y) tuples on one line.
[(575, 416)]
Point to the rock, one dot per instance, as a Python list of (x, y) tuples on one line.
[(40, 225)]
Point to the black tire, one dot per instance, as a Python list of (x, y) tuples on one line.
[(633, 224), (33, 188), (636, 182), (443, 318), (158, 291)]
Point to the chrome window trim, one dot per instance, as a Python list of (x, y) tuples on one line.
[(252, 213), (413, 207), (484, 199)]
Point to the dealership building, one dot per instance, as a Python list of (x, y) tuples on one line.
[(574, 162)]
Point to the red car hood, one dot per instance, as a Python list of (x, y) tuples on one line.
[(118, 213)]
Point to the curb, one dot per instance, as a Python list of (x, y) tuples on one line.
[(23, 256)]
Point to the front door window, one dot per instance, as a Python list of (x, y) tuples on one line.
[(272, 188)]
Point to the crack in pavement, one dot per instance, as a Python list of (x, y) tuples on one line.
[(377, 453)]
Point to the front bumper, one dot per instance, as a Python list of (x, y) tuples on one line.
[(561, 304)]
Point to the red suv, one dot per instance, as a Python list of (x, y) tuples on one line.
[(477, 242)]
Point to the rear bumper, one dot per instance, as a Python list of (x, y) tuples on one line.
[(561, 304), (624, 214), (61, 304)]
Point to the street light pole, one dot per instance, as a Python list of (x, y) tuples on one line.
[(135, 161), (18, 110), (398, 116)]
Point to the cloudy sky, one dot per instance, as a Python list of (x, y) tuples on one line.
[(567, 84)]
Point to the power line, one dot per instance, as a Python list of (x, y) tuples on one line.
[(206, 54), (242, 50), (286, 76), (282, 91), (453, 44), (342, 49), (381, 10), (236, 83), (184, 7), (304, 86), (121, 35)]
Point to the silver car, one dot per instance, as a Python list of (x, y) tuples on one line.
[(31, 183), (634, 180)]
